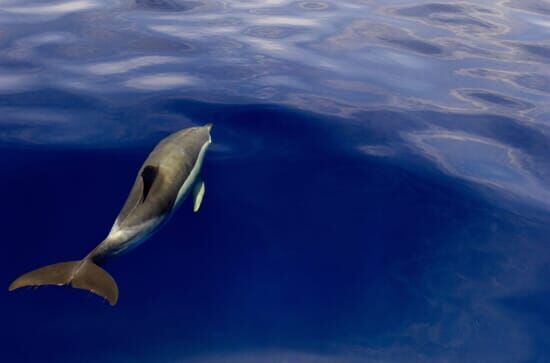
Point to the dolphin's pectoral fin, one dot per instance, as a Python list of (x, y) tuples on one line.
[(148, 176), (198, 193)]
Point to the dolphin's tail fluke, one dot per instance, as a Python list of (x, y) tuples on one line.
[(83, 274)]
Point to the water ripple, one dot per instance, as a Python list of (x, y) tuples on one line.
[(343, 59), (482, 161), (493, 99), (535, 6), (167, 5)]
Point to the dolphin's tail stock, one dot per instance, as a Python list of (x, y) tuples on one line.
[(84, 274)]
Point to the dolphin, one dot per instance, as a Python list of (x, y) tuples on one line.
[(168, 175)]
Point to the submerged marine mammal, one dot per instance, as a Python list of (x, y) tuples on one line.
[(169, 173)]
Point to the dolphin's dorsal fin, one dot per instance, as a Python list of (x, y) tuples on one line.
[(148, 175)]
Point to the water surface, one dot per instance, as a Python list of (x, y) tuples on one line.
[(377, 190)]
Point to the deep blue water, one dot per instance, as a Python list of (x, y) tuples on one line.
[(378, 189)]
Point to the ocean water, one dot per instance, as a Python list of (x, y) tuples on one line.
[(377, 190)]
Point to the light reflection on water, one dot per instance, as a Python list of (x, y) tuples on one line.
[(337, 58)]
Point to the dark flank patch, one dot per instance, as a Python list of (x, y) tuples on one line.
[(148, 175)]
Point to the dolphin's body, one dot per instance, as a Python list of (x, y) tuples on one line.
[(171, 171)]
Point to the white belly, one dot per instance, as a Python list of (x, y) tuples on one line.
[(127, 238)]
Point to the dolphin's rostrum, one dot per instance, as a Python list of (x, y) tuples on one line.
[(171, 171)]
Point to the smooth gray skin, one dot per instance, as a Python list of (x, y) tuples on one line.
[(165, 178)]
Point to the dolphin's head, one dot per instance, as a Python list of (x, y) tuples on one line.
[(193, 138), (199, 130)]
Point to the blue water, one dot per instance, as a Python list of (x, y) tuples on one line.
[(378, 189)]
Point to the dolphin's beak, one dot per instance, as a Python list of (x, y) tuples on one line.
[(208, 126)]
